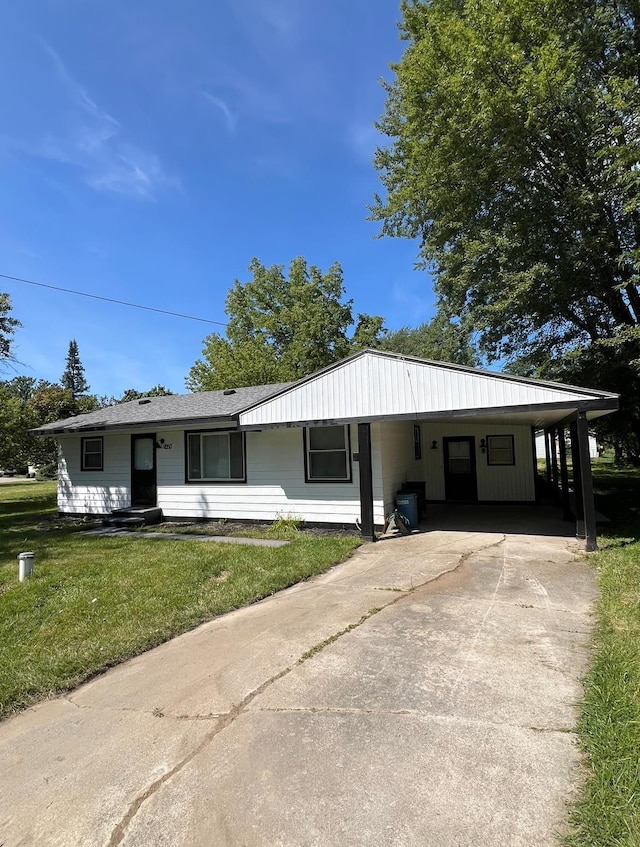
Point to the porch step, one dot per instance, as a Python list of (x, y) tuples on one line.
[(123, 522), (134, 516)]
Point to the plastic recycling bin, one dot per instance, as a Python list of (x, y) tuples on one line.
[(407, 505)]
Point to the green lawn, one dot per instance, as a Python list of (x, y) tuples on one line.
[(607, 813), (93, 602)]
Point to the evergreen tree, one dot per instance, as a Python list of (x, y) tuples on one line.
[(73, 378)]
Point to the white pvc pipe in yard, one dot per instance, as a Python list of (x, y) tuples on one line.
[(25, 565)]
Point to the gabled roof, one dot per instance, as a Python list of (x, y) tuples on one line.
[(170, 409), (367, 386), (375, 385)]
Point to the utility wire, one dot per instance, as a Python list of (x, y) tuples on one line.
[(110, 300)]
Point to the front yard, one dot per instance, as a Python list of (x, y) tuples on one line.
[(93, 602), (607, 813)]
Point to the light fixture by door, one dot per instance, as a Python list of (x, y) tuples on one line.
[(434, 444), (483, 445)]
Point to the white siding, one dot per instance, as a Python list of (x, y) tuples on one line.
[(275, 484), (374, 385), (94, 492), (495, 482), (398, 461)]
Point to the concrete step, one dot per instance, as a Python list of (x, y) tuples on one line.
[(145, 514), (123, 521)]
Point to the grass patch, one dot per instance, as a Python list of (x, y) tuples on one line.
[(93, 602), (607, 813)]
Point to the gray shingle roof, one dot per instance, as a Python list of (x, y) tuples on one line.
[(174, 408)]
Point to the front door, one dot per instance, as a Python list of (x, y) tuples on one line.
[(143, 470), (460, 481)]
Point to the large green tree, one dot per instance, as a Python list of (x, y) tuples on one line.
[(73, 378), (439, 339), (8, 326), (514, 160), (282, 327)]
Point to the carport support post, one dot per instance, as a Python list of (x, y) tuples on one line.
[(564, 474), (366, 482), (577, 480), (587, 484), (554, 463), (547, 455)]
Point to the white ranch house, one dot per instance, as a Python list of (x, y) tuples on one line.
[(334, 447)]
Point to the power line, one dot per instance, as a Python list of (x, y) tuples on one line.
[(111, 300)]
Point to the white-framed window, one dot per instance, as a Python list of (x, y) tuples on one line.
[(327, 454), (500, 450), (215, 457), (92, 454)]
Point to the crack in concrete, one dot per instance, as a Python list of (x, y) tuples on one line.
[(411, 713), (227, 718), (156, 712)]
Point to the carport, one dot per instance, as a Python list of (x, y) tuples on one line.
[(410, 414)]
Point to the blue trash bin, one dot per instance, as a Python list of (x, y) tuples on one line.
[(407, 505)]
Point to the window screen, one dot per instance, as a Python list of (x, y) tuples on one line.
[(92, 454), (215, 456), (327, 454), (500, 450)]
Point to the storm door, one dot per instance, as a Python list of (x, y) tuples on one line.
[(143, 470), (460, 482)]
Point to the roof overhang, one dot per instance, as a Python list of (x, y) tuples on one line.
[(539, 415), (178, 423)]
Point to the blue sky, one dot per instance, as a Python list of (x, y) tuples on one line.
[(150, 149)]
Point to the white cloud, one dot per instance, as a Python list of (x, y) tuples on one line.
[(231, 119), (95, 143)]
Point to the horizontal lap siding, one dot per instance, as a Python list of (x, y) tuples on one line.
[(275, 484), (94, 492), (495, 482)]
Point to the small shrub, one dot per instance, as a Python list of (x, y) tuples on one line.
[(49, 471), (285, 526)]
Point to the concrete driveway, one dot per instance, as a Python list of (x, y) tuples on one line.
[(422, 693)]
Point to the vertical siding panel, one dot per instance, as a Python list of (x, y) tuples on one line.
[(375, 385), (510, 483)]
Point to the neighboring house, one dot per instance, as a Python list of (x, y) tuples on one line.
[(334, 447), (541, 450)]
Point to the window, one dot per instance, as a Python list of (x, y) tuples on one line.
[(327, 454), (500, 450), (92, 454), (215, 457)]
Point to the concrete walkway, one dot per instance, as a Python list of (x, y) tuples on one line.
[(420, 694)]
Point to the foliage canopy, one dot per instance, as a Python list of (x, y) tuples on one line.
[(8, 326), (514, 159), (282, 327)]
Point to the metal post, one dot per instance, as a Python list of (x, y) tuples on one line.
[(554, 462), (366, 482), (535, 462), (564, 475), (577, 479), (591, 542), (547, 455)]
